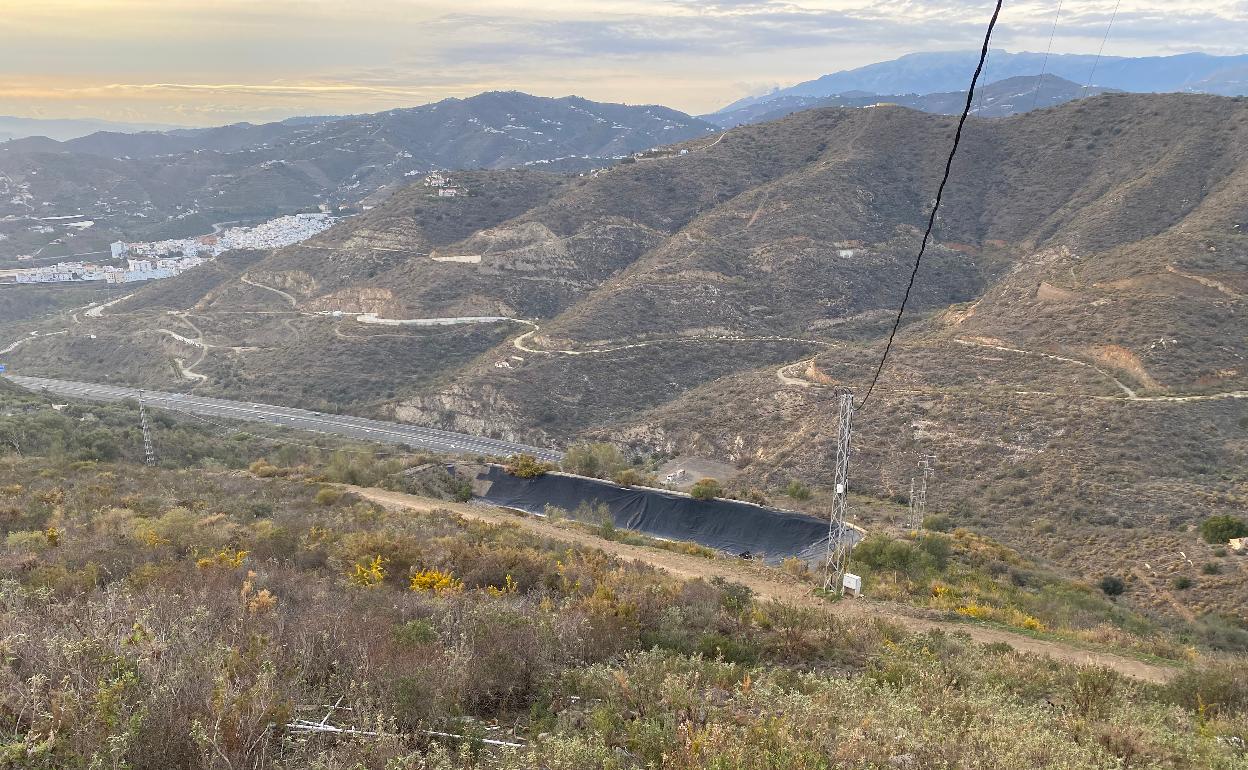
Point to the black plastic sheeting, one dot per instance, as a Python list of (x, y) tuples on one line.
[(731, 526)]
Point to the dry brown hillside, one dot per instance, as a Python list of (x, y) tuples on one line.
[(1074, 353)]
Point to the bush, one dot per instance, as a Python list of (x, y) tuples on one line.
[(797, 490), (1112, 585), (1210, 568), (1219, 529), (527, 466), (328, 496), (629, 477), (706, 489), (1182, 582), (937, 522), (882, 553), (599, 460)]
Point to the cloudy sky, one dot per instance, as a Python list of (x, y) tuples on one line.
[(214, 61)]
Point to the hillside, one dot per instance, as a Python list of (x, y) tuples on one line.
[(242, 605), (944, 71), (1074, 353), (147, 186)]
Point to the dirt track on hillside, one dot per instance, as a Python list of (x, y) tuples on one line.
[(770, 584)]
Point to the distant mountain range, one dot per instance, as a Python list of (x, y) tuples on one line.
[(65, 129), (996, 100), (935, 72), (143, 186)]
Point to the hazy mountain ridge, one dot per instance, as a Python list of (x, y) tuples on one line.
[(932, 72), (995, 100), (63, 129), (152, 185)]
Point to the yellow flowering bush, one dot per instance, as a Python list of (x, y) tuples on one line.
[(435, 581), (226, 558), (369, 575)]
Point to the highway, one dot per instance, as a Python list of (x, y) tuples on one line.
[(300, 419)]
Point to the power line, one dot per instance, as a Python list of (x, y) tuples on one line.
[(1100, 51), (979, 105), (1045, 66), (940, 191)]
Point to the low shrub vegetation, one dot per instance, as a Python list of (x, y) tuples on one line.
[(153, 618)]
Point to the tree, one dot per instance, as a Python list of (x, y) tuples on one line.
[(706, 489), (1219, 529)]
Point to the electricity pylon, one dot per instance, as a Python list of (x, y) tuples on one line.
[(149, 452), (911, 518), (919, 507), (838, 545)]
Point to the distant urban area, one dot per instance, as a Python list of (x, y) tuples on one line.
[(151, 260)]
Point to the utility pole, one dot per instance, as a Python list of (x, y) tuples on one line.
[(149, 452), (838, 546)]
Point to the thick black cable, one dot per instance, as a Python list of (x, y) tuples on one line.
[(1044, 68), (940, 191)]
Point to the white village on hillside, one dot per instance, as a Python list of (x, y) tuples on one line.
[(164, 259)]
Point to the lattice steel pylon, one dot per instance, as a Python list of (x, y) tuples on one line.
[(918, 506), (838, 546), (912, 517), (149, 451)]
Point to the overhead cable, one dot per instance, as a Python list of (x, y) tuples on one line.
[(940, 191), (1044, 68)]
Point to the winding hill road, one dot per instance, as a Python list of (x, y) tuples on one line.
[(359, 428)]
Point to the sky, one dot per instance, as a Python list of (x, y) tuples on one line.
[(209, 62)]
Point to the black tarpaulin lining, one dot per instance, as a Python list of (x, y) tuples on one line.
[(731, 526)]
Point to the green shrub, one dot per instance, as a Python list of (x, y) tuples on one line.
[(1182, 582), (600, 460), (527, 466), (937, 522), (883, 553), (797, 490), (1219, 529), (706, 489), (328, 496), (1112, 585), (630, 477)]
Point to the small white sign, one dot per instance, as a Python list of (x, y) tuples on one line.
[(852, 584)]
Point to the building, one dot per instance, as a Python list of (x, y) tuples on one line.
[(436, 180), (451, 192), (118, 249)]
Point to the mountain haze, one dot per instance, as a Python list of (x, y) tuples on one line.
[(933, 72), (153, 185), (995, 100)]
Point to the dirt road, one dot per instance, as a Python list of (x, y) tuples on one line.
[(770, 584)]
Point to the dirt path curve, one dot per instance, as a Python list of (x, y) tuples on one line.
[(293, 302), (769, 584)]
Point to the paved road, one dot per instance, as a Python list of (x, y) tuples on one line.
[(301, 419)]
